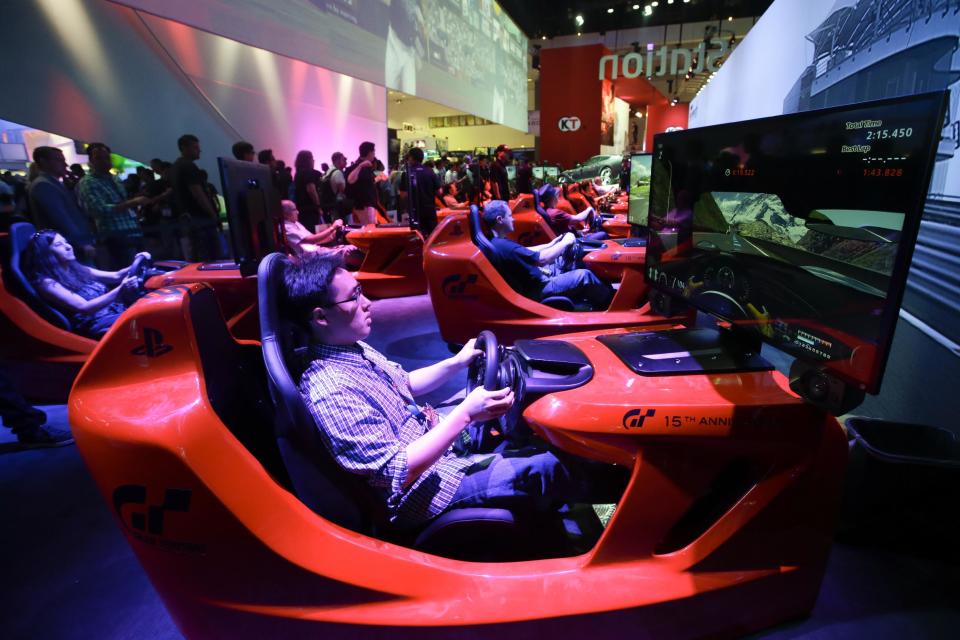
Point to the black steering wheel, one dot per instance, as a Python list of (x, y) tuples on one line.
[(139, 268), (485, 370)]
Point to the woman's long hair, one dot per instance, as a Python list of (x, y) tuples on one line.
[(40, 262), (304, 161)]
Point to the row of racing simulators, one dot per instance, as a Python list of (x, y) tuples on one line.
[(44, 354), (784, 232)]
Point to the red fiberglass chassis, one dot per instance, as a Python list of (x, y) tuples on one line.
[(724, 527)]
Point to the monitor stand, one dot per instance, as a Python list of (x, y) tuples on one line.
[(688, 351)]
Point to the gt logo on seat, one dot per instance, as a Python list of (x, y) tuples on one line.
[(149, 520), (569, 123), (634, 418), (454, 286)]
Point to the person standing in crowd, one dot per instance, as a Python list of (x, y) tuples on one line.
[(306, 193), (243, 150), (104, 199), (74, 176), (333, 189), (499, 181), (361, 185), (422, 188), (524, 176), (191, 205), (53, 206)]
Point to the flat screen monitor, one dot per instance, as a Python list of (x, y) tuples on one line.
[(798, 228), (253, 211), (639, 188), (511, 172)]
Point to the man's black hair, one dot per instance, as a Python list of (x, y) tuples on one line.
[(241, 148), (185, 139), (265, 156), (366, 147), (307, 283), (417, 154), (93, 146), (45, 154)]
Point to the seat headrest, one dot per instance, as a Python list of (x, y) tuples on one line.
[(477, 235), (20, 235), (538, 207)]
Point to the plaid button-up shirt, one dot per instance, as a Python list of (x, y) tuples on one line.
[(99, 196), (364, 408)]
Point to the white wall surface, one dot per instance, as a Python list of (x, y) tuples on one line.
[(94, 70)]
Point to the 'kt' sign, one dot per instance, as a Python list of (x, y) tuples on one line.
[(569, 123)]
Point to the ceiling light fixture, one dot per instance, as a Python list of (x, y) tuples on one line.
[(729, 18), (647, 10), (610, 10), (579, 20), (635, 7), (654, 3)]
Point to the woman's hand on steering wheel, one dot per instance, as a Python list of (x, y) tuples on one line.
[(482, 405)]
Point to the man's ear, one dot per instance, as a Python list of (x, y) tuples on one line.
[(318, 317)]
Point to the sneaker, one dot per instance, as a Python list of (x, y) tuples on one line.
[(44, 436)]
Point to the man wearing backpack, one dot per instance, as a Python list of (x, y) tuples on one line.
[(333, 190)]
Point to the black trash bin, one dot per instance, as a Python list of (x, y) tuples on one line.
[(903, 487)]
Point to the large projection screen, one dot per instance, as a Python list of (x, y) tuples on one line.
[(465, 54)]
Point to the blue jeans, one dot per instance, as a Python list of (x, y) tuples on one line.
[(579, 285), (536, 477)]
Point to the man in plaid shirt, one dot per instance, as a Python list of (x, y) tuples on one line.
[(365, 409), (104, 199)]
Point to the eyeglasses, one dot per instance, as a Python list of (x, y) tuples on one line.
[(354, 296)]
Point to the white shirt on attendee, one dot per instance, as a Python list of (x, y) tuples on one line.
[(295, 233)]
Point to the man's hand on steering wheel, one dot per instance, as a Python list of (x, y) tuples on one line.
[(467, 354), (482, 405)]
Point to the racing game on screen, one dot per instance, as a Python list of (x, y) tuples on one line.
[(799, 227), (639, 188)]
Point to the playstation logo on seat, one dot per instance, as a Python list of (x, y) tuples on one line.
[(153, 345), (569, 123)]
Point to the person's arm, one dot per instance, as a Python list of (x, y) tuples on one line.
[(352, 178), (63, 297), (583, 215), (200, 197), (326, 235), (540, 247), (479, 406), (312, 194), (428, 378), (552, 252)]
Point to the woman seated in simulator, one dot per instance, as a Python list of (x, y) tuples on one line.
[(301, 241), (561, 221), (91, 299), (451, 197)]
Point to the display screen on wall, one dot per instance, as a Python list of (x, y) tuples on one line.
[(639, 188), (798, 228), (466, 54)]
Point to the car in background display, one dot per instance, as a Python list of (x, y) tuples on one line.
[(607, 168)]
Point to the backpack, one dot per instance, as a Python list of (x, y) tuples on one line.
[(328, 198)]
